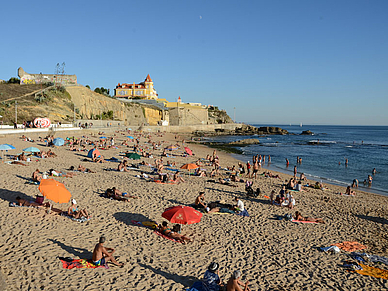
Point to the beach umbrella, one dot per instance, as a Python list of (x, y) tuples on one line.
[(54, 191), (189, 166), (182, 215), (133, 156), (94, 152), (5, 147), (58, 141), (188, 151), (31, 150), (131, 137)]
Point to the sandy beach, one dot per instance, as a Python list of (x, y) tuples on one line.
[(272, 254)]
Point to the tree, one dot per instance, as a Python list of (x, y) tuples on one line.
[(87, 86), (14, 80)]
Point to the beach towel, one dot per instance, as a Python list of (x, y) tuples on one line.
[(301, 221), (148, 224), (82, 219), (265, 196), (69, 263), (371, 258), (13, 204), (350, 246), (243, 213), (372, 271), (197, 286), (165, 236)]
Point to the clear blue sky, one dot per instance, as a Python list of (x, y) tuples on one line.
[(277, 62)]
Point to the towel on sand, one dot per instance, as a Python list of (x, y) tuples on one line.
[(350, 246), (69, 263), (82, 219), (371, 271), (165, 236)]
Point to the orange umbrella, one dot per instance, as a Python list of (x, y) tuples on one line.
[(189, 166), (54, 190)]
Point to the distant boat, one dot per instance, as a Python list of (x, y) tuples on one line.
[(301, 124)]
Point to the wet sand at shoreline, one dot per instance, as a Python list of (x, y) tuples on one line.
[(272, 254)]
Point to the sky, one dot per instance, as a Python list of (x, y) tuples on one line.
[(264, 62)]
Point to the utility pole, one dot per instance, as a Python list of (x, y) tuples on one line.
[(234, 114), (74, 112), (16, 112)]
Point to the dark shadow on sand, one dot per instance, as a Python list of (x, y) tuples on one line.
[(24, 178), (187, 281), (374, 219), (10, 196), (127, 217), (78, 252), (233, 193)]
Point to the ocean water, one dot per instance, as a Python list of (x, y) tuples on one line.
[(365, 147)]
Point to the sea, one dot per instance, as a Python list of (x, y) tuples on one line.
[(323, 153)]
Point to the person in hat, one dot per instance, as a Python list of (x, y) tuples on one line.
[(234, 283), (211, 279), (103, 255), (73, 211)]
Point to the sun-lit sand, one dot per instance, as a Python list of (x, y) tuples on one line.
[(272, 254)]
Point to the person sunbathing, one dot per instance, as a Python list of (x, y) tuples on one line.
[(224, 182), (36, 177), (54, 173), (234, 178), (350, 191), (73, 211), (51, 154), (122, 167), (168, 232), (83, 169), (299, 217), (23, 202), (177, 178), (22, 157)]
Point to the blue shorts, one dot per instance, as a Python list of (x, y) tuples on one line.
[(100, 262)]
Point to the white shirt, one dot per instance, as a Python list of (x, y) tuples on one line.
[(240, 205)]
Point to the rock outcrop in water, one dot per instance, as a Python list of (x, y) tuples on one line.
[(244, 129), (244, 142)]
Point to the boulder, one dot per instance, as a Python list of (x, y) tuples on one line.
[(307, 132), (244, 142)]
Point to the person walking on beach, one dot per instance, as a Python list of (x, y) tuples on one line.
[(103, 255), (295, 172), (234, 283), (255, 166)]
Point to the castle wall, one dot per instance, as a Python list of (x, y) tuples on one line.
[(26, 78), (188, 116)]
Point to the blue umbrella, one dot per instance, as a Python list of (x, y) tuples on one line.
[(131, 137), (6, 147), (102, 136), (32, 150), (58, 141)]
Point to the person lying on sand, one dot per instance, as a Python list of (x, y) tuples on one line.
[(51, 154), (299, 216), (83, 169), (234, 283), (118, 195), (224, 182), (168, 232), (36, 177), (234, 178), (73, 211), (23, 202), (103, 255), (54, 173)]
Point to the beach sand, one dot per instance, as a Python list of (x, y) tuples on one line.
[(272, 254)]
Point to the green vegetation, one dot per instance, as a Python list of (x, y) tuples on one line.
[(14, 80), (102, 91)]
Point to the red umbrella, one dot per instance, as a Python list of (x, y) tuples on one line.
[(189, 166), (188, 151), (182, 215)]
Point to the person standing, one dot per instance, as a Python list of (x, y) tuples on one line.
[(248, 170), (295, 172)]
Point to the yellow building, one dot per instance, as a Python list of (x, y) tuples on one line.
[(143, 90)]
